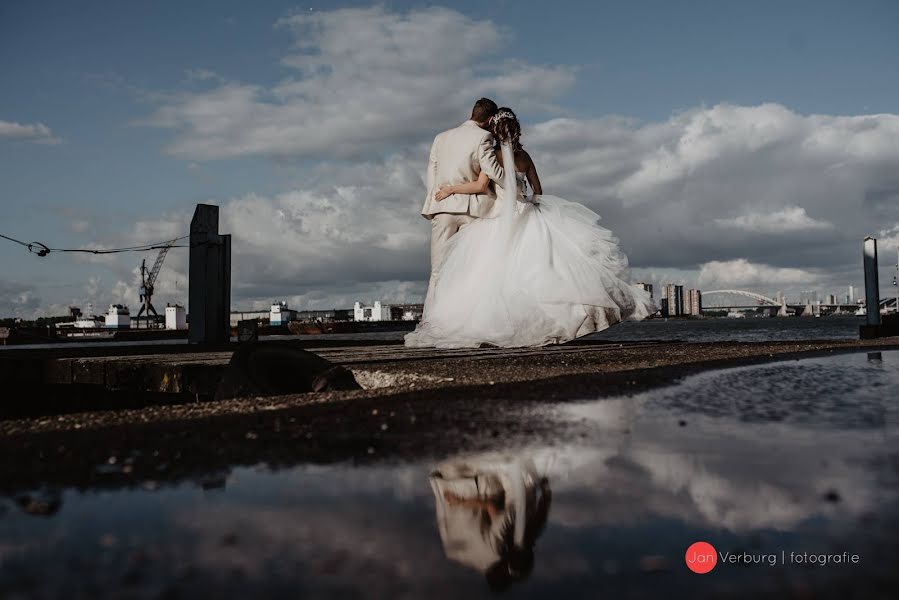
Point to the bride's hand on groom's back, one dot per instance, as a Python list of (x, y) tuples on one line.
[(442, 193)]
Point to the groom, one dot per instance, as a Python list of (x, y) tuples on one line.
[(458, 156)]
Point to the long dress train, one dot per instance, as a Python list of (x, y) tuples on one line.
[(543, 272)]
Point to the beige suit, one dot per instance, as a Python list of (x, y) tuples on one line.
[(458, 156)]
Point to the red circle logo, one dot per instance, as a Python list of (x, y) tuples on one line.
[(701, 557)]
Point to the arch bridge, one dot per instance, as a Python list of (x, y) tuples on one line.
[(743, 295)]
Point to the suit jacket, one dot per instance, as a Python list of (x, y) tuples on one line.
[(459, 156)]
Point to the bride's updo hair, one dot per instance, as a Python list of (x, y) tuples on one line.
[(506, 128)]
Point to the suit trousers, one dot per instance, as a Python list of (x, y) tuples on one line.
[(443, 227)]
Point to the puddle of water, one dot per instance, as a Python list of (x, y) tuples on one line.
[(759, 461)]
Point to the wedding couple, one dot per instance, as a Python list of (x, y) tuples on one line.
[(511, 266)]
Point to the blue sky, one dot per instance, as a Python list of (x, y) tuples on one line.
[(120, 85)]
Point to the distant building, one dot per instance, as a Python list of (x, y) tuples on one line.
[(831, 299), (407, 312), (280, 314), (175, 317), (850, 297), (674, 294), (260, 316), (263, 316), (74, 312), (808, 297), (375, 312), (118, 317), (693, 303), (646, 287), (780, 297)]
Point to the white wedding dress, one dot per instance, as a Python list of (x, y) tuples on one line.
[(543, 272)]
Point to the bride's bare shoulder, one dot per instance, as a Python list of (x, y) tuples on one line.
[(523, 160)]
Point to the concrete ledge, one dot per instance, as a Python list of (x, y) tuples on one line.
[(48, 386)]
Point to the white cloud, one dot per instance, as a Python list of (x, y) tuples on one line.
[(203, 75), (353, 231), (742, 274), (18, 299), (667, 188), (92, 287), (888, 238), (34, 132), (362, 81), (79, 225), (785, 220)]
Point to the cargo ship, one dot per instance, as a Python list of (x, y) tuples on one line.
[(324, 327), (118, 317)]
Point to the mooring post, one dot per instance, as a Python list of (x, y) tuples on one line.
[(896, 281), (209, 285), (872, 283)]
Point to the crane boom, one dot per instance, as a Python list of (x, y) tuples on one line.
[(148, 281), (157, 266)]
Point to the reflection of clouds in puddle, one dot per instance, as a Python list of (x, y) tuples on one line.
[(321, 538), (843, 391), (307, 483), (712, 472), (641, 463), (368, 530), (11, 550)]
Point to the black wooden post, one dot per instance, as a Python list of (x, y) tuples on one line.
[(872, 283), (209, 286)]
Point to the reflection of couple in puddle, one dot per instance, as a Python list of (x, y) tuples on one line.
[(490, 512)]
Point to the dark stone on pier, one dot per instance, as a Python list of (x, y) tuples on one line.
[(272, 369)]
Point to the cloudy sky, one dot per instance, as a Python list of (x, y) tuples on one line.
[(728, 145)]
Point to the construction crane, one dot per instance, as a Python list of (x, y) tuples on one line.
[(148, 280)]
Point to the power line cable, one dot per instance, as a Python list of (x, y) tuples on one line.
[(43, 250), (13, 240)]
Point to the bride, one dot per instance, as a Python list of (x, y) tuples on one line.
[(542, 272)]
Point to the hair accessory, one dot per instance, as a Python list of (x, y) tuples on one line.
[(503, 114)]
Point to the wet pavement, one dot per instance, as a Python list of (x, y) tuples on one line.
[(779, 465)]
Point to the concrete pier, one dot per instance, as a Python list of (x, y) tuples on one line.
[(87, 378)]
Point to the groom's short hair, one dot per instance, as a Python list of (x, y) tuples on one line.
[(483, 110)]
